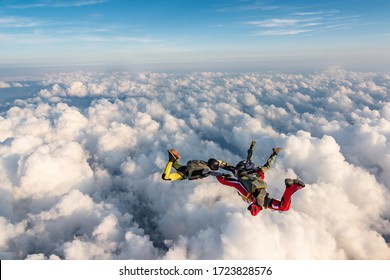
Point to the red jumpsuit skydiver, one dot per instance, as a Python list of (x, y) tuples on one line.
[(258, 199), (281, 205)]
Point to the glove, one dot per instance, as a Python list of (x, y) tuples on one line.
[(276, 150), (223, 164), (254, 208)]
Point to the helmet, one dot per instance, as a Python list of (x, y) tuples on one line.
[(213, 164), (240, 166), (246, 165)]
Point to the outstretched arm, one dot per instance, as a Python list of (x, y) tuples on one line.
[(226, 166), (271, 160), (250, 151), (215, 173)]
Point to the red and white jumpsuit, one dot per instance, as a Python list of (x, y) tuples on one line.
[(281, 205)]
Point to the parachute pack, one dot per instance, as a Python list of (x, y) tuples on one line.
[(253, 184), (195, 169)]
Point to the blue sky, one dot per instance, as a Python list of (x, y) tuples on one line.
[(203, 33)]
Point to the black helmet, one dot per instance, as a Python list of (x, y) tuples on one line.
[(213, 164), (246, 165)]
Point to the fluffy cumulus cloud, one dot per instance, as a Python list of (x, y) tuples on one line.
[(81, 158)]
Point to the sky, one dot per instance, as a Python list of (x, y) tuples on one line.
[(238, 35), (82, 153)]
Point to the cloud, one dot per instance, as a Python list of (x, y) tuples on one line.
[(302, 22), (78, 3), (4, 85), (18, 22), (81, 163), (77, 89), (244, 6), (57, 4), (279, 22), (283, 32)]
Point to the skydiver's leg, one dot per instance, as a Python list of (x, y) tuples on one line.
[(168, 176), (174, 157), (284, 204), (231, 182), (177, 165), (261, 198)]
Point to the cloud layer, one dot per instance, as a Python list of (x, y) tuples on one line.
[(81, 161)]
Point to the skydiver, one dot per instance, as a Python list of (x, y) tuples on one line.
[(257, 201), (251, 186), (250, 176), (194, 169)]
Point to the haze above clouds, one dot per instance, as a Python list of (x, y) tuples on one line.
[(81, 157)]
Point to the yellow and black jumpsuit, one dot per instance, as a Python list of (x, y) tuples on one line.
[(194, 169)]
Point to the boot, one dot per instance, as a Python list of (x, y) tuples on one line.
[(290, 182), (299, 183), (173, 155)]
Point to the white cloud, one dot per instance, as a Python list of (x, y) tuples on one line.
[(53, 170), (18, 22), (4, 85), (280, 32), (275, 22), (58, 4), (81, 163), (302, 22), (77, 89)]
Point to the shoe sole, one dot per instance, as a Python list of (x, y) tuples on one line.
[(289, 182), (174, 154)]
